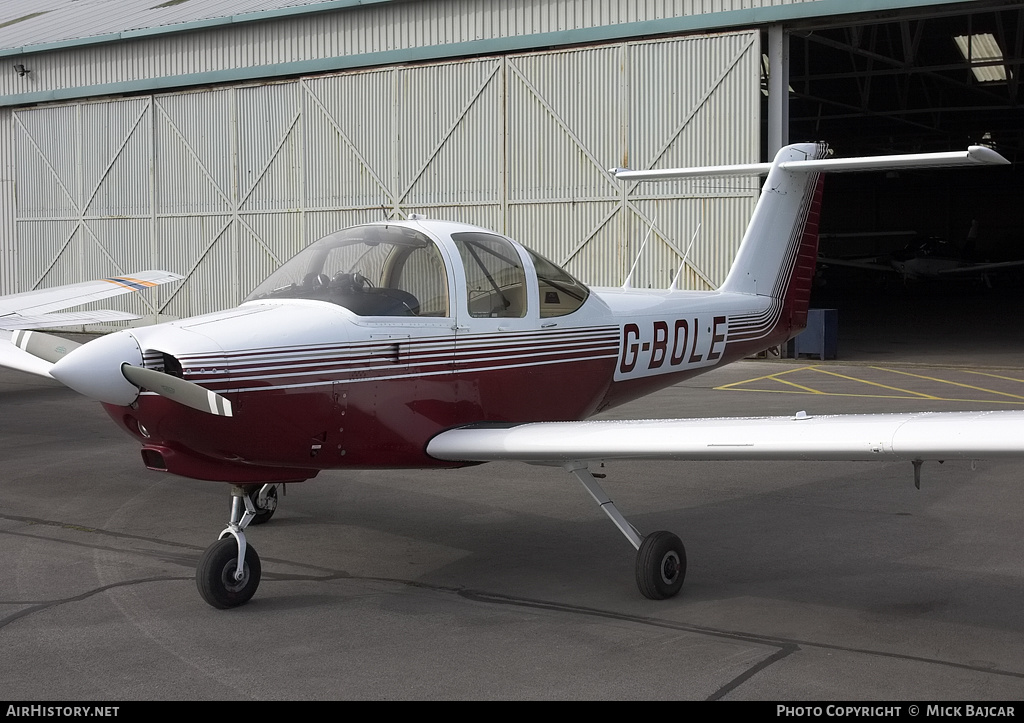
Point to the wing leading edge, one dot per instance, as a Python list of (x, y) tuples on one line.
[(854, 437)]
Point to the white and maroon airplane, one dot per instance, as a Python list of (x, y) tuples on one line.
[(425, 343)]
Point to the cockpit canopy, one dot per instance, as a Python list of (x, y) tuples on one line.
[(370, 270), (395, 270)]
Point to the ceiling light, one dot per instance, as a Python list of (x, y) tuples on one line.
[(984, 55)]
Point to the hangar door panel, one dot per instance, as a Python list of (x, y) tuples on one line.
[(194, 188), (83, 203), (679, 102), (422, 139)]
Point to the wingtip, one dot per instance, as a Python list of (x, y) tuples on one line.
[(986, 156)]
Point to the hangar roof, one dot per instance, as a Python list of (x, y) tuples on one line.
[(41, 25), (45, 22)]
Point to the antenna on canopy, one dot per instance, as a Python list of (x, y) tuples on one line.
[(628, 283), (679, 273)]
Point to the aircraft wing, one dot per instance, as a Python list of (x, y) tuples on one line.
[(893, 437), (968, 269), (31, 309), (868, 264)]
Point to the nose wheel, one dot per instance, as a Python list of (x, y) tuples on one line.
[(217, 575), (229, 570)]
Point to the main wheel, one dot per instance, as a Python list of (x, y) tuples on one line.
[(660, 565), (215, 575), (263, 514)]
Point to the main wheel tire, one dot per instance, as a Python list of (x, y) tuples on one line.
[(215, 575), (263, 514), (660, 565)]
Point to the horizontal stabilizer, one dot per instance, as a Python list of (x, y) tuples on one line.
[(853, 437), (973, 156)]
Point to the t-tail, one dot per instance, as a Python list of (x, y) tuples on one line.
[(776, 258)]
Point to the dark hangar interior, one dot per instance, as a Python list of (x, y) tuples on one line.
[(936, 79)]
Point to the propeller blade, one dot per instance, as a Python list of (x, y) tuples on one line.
[(178, 390), (44, 346)]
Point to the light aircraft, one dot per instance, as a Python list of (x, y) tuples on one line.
[(425, 343), (927, 260)]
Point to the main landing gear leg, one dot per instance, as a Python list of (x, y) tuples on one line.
[(661, 557), (229, 571)]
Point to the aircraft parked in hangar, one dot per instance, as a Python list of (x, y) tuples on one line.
[(928, 260), (424, 343)]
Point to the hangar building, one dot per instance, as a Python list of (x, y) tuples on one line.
[(216, 138)]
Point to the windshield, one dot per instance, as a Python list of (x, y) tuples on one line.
[(376, 270)]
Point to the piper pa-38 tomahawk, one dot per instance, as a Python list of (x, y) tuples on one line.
[(422, 343)]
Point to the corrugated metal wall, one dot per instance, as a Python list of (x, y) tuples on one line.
[(8, 258), (351, 32), (223, 185)]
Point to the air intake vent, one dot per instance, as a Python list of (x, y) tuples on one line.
[(153, 459)]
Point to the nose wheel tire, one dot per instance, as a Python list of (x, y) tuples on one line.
[(660, 565), (215, 575)]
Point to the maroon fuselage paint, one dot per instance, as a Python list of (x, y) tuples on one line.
[(291, 434)]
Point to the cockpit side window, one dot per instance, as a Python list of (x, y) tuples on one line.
[(374, 270), (560, 293), (495, 279)]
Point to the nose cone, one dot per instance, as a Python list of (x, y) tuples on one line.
[(94, 369)]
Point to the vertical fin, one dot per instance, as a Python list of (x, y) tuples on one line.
[(779, 250)]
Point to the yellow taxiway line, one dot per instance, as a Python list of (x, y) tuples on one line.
[(900, 392)]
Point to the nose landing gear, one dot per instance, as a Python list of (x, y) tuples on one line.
[(229, 570)]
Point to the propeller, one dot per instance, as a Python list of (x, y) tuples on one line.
[(177, 389), (109, 369), (45, 346)]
